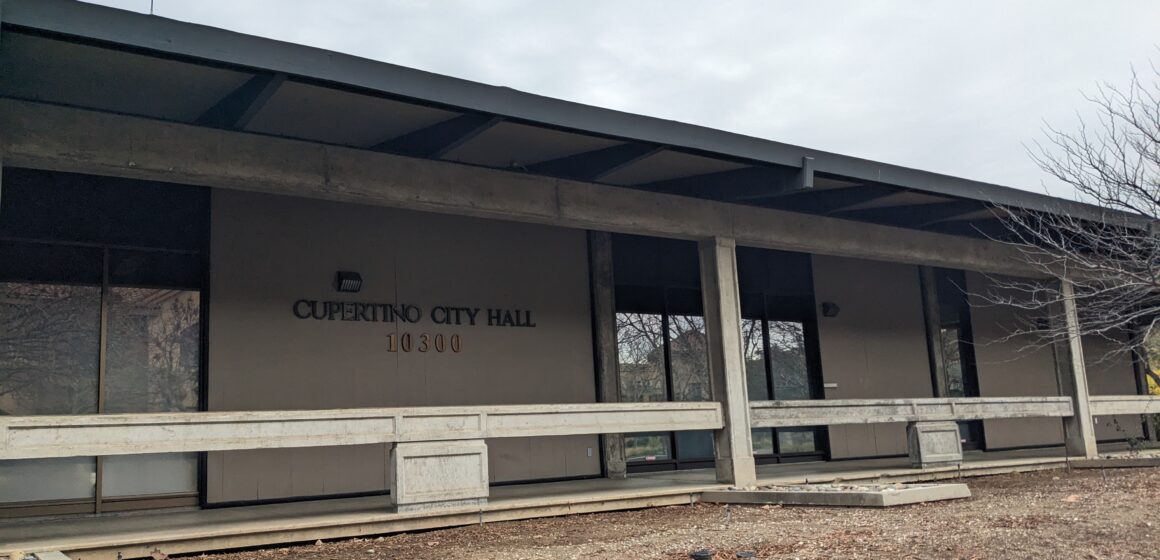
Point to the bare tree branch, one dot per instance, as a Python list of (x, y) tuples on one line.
[(1113, 262)]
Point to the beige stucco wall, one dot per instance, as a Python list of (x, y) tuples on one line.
[(875, 348), (1010, 367), (268, 252)]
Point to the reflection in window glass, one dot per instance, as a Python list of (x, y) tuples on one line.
[(49, 347), (152, 366), (641, 357), (796, 440), (689, 354), (153, 350), (689, 359), (647, 447), (696, 444), (952, 361), (763, 441), (752, 344), (49, 340), (787, 356)]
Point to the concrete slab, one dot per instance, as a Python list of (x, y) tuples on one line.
[(1116, 463), (839, 495)]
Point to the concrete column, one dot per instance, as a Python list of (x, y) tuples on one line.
[(1079, 431), (604, 340), (733, 447), (932, 316)]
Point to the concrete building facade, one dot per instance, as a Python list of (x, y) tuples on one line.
[(237, 272)]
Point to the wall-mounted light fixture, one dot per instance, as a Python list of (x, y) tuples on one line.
[(347, 281), (830, 309)]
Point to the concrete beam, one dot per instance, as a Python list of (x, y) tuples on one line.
[(1078, 430), (67, 139), (34, 437), (604, 342), (733, 444), (782, 414)]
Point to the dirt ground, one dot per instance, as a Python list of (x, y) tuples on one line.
[(1047, 515)]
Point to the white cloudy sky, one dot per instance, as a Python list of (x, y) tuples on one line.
[(949, 86)]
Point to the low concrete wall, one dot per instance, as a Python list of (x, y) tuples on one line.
[(774, 414), (36, 437)]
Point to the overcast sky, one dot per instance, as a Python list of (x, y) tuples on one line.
[(954, 87)]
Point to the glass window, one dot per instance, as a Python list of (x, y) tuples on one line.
[(797, 440), (689, 356), (153, 350), (697, 444), (49, 341), (787, 357), (763, 441), (152, 365), (689, 351), (753, 343), (641, 357), (952, 361), (647, 447)]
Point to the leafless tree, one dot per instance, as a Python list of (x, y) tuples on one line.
[(1112, 260)]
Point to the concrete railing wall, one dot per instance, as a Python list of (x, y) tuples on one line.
[(34, 437), (1124, 404), (780, 414)]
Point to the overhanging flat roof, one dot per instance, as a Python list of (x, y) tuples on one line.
[(265, 86)]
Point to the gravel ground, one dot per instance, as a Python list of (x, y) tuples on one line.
[(1052, 515)]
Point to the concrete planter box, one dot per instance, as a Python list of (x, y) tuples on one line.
[(934, 444), (442, 474)]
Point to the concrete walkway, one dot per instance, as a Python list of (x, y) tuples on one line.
[(137, 534)]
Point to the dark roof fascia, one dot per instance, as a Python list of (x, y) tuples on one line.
[(214, 45)]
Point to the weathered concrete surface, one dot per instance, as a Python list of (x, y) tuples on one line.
[(771, 414), (439, 474), (842, 497), (1078, 430), (733, 445), (1108, 405), (604, 339), (1149, 458), (67, 139), (931, 444), (32, 437)]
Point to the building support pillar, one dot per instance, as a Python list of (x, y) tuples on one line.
[(602, 285), (932, 316), (733, 445), (1078, 430)]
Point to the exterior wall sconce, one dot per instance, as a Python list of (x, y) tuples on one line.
[(830, 309), (347, 281)]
